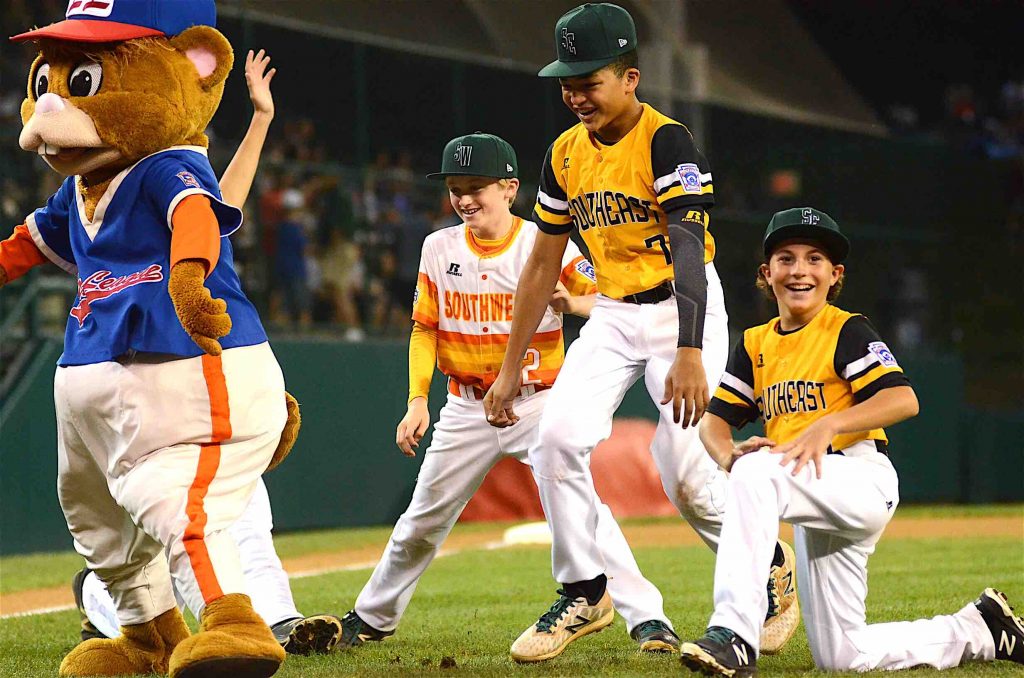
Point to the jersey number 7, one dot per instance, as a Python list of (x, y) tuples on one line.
[(659, 239)]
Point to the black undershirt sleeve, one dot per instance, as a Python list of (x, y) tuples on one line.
[(686, 241)]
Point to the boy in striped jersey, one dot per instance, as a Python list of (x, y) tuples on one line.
[(825, 384), (462, 312)]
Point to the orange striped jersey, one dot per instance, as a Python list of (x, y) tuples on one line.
[(465, 291), (618, 196), (790, 379)]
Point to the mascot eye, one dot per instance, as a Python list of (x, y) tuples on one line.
[(42, 81), (85, 80)]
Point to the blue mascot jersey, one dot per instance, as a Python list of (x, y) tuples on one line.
[(122, 260)]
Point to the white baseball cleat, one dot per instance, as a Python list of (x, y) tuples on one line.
[(567, 620)]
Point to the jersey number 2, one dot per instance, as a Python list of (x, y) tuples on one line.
[(660, 241), (530, 362)]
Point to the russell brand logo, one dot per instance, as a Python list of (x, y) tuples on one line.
[(100, 285)]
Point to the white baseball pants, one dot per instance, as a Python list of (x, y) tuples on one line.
[(157, 457), (837, 522), (463, 450), (266, 582), (620, 343)]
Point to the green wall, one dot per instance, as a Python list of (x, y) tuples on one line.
[(345, 469)]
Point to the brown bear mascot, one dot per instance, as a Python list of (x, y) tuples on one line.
[(170, 403)]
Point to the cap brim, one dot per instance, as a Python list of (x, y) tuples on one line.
[(836, 244), (573, 69), (442, 175), (88, 30)]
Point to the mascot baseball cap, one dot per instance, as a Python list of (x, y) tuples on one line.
[(478, 155), (115, 20), (809, 223), (590, 37)]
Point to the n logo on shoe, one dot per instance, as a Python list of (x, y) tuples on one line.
[(1008, 642), (789, 583), (741, 654), (582, 621)]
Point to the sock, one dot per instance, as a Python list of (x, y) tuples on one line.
[(591, 589)]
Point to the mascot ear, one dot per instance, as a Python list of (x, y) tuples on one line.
[(209, 51)]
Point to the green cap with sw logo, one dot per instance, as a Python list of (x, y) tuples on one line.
[(478, 155), (590, 37), (809, 224)]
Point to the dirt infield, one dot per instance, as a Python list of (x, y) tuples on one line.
[(655, 535)]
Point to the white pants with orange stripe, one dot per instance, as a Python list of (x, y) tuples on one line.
[(157, 458), (463, 449), (266, 582), (619, 344)]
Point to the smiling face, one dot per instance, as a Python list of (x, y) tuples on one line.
[(482, 202), (602, 100), (800, 275)]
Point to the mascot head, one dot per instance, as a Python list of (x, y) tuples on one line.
[(118, 80)]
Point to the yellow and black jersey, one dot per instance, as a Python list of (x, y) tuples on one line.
[(790, 379), (618, 196)]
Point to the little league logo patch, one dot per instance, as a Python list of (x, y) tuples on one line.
[(188, 179), (882, 352), (100, 285), (90, 7), (689, 175), (585, 268)]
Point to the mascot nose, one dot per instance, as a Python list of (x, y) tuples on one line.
[(50, 103)]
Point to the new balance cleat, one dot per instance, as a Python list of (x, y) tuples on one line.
[(355, 632), (655, 635), (719, 652), (1006, 627), (88, 630), (568, 619), (318, 634), (783, 616)]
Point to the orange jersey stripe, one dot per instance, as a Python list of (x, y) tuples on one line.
[(492, 339)]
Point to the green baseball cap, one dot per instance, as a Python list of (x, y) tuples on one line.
[(806, 222), (590, 37), (478, 155)]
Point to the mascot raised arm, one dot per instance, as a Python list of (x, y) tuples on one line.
[(170, 403)]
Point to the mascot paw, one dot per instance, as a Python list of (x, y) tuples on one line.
[(142, 648), (232, 641), (289, 434), (203, 317)]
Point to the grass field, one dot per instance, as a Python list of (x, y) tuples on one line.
[(471, 605)]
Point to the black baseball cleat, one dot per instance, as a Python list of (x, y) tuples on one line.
[(355, 632), (88, 631), (654, 635), (318, 634), (1006, 627), (719, 652)]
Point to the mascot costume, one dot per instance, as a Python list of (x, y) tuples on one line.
[(170, 403)]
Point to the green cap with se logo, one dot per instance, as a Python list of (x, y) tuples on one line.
[(590, 37), (478, 155), (806, 223)]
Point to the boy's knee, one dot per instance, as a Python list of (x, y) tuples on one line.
[(755, 467)]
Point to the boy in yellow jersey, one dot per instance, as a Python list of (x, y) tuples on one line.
[(462, 313), (634, 185), (825, 385)]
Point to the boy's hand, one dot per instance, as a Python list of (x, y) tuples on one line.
[(809, 446), (257, 79), (561, 300), (498, 401), (686, 385), (752, 443), (413, 426)]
